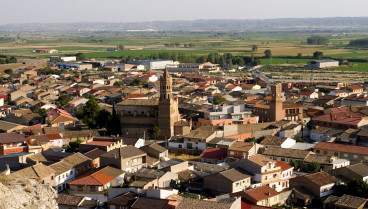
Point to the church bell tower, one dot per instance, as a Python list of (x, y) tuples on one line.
[(168, 113)]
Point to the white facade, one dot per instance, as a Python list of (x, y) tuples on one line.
[(327, 190), (152, 64), (236, 112), (323, 63), (56, 142), (62, 179)]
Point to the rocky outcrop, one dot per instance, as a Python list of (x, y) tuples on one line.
[(26, 193)]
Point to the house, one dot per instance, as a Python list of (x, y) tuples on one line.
[(40, 172), (148, 178), (353, 153), (263, 168), (93, 184), (64, 173), (38, 143), (341, 118), (221, 142), (214, 155), (326, 162), (325, 134), (79, 162), (355, 89), (155, 153), (129, 158), (227, 115), (196, 140), (24, 117), (261, 196), (277, 141), (356, 171), (152, 203), (228, 181), (56, 141), (58, 117), (250, 86), (94, 155), (189, 203), (315, 185), (339, 93), (308, 95), (66, 201), (8, 127), (285, 155), (345, 202), (125, 200), (103, 143), (323, 64), (12, 143), (241, 150), (287, 172)]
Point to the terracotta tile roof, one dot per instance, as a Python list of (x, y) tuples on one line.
[(273, 140), (6, 138), (87, 180), (61, 167), (53, 136), (76, 159), (140, 102), (348, 201), (152, 203), (95, 153), (305, 93), (189, 203), (283, 152), (260, 160), (62, 118), (342, 148), (355, 87), (241, 146), (124, 152), (320, 178), (40, 138), (284, 166), (70, 200), (126, 199), (37, 126), (234, 174), (38, 171), (100, 143), (214, 153), (260, 193)]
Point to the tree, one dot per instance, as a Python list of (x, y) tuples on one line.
[(325, 90), (81, 56), (119, 83), (298, 139), (268, 53), (9, 71), (120, 47), (25, 82), (299, 55), (73, 146), (139, 81), (295, 164), (310, 89), (41, 112), (102, 119), (317, 40), (317, 55), (64, 99), (218, 99), (254, 47), (154, 131), (113, 126), (313, 167), (89, 112)]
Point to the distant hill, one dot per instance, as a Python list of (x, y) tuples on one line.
[(296, 24)]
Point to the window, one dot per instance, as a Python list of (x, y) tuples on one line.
[(127, 163), (80, 188), (317, 151), (134, 160), (265, 178), (52, 177), (275, 199), (355, 156), (365, 157), (346, 155), (325, 152), (336, 154)]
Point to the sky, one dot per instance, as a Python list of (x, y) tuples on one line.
[(68, 11)]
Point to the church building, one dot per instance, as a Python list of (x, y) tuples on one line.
[(138, 115), (276, 110)]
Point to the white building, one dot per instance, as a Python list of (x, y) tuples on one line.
[(323, 64), (152, 64), (64, 59)]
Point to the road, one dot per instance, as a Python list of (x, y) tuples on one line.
[(256, 72)]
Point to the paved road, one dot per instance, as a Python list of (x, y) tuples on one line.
[(256, 72)]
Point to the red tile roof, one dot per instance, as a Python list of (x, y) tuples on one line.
[(96, 179), (342, 117), (130, 96), (342, 148), (37, 126), (305, 93), (260, 193), (100, 143), (53, 136), (214, 153), (284, 166)]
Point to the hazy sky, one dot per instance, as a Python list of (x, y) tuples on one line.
[(46, 11)]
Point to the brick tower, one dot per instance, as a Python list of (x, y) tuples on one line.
[(168, 113), (276, 113)]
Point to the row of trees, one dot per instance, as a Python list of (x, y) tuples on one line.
[(317, 40), (359, 42), (7, 60), (177, 44)]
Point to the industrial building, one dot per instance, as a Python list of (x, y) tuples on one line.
[(152, 64), (323, 64)]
